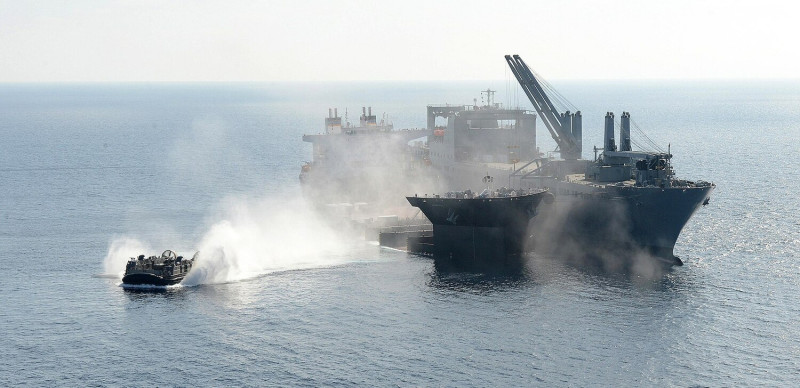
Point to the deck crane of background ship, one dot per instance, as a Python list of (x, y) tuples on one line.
[(565, 128)]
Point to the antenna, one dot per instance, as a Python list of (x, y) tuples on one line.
[(489, 96)]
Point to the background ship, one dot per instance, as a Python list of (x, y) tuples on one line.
[(361, 164), (623, 201)]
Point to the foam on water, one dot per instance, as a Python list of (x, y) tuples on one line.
[(150, 286)]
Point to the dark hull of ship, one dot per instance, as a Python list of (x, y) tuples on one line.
[(152, 279), (618, 221), (624, 221), (479, 231)]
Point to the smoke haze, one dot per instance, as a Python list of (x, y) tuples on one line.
[(605, 245), (249, 238), (119, 250), (380, 169), (255, 237)]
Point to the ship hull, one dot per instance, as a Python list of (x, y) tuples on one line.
[(621, 220), (151, 279), (600, 220), (479, 230)]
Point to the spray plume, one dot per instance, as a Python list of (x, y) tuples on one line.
[(119, 251), (250, 238), (258, 237)]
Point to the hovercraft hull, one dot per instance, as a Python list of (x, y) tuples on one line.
[(150, 279)]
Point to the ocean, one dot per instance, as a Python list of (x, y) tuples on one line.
[(93, 173)]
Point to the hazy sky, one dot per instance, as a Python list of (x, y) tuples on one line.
[(164, 40)]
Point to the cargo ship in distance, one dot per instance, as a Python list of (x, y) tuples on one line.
[(623, 201), (359, 163)]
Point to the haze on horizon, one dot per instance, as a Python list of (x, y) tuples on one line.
[(311, 40)]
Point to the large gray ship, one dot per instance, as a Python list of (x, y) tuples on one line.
[(623, 201)]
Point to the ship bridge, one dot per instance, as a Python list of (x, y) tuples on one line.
[(482, 134)]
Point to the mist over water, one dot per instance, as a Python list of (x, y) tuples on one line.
[(120, 250), (251, 224), (586, 245), (250, 237), (265, 235)]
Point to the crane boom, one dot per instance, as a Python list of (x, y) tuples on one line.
[(569, 145)]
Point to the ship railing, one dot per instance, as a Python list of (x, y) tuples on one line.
[(407, 228), (540, 163)]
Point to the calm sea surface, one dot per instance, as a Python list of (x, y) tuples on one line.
[(91, 173)]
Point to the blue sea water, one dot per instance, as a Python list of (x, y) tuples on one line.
[(87, 171)]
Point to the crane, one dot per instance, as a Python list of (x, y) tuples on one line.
[(565, 128)]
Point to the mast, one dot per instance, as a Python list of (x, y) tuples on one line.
[(489, 97)]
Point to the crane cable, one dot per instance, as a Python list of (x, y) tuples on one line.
[(645, 137), (562, 101), (646, 143)]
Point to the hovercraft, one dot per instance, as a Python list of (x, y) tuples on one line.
[(166, 270)]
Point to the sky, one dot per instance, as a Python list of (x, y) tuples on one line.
[(309, 40)]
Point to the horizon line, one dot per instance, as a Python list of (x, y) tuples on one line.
[(165, 82)]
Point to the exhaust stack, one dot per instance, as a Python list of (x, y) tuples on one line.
[(609, 133), (577, 130), (625, 132)]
